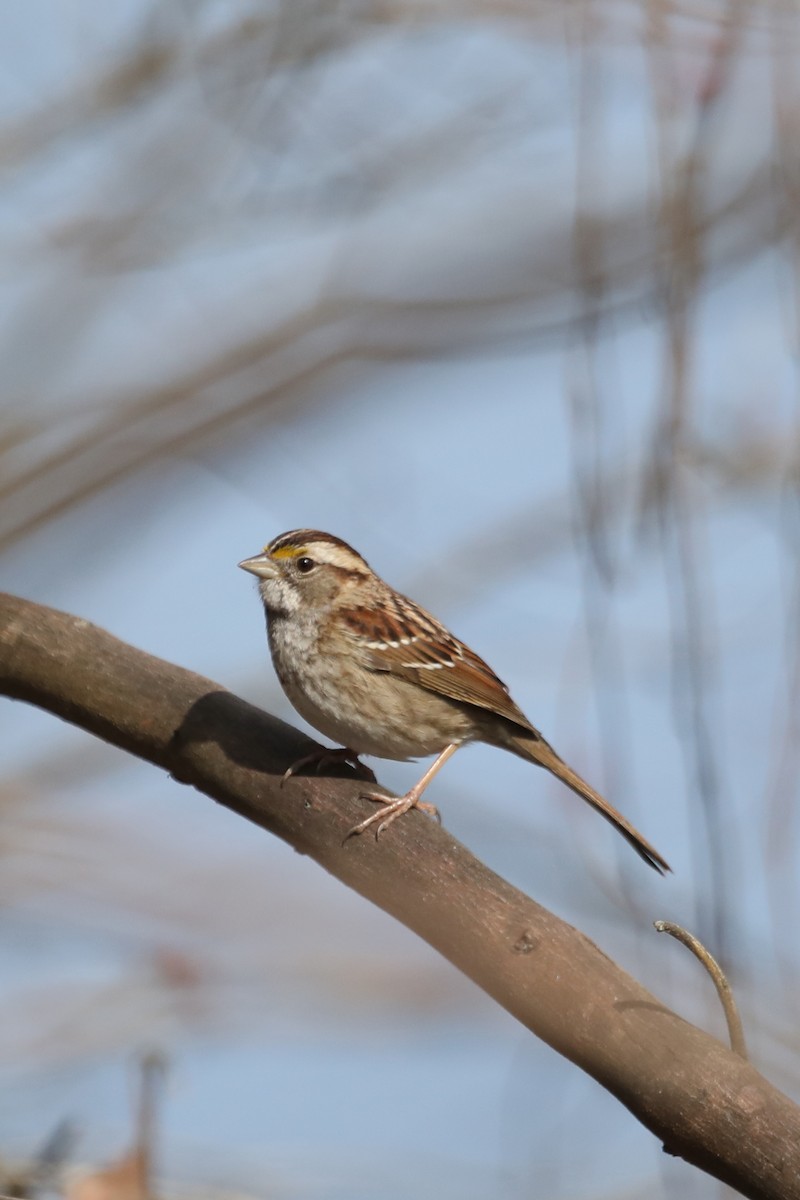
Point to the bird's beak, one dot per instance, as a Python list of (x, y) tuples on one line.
[(261, 565)]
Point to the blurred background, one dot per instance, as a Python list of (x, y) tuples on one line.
[(506, 295)]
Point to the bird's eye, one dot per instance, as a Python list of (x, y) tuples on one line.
[(304, 565)]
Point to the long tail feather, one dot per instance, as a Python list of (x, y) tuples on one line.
[(538, 751)]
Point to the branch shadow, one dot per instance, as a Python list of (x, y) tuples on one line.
[(250, 737)]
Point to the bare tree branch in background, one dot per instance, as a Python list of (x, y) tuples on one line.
[(241, 73), (683, 171), (705, 1103)]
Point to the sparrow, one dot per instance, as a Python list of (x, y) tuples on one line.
[(377, 674)]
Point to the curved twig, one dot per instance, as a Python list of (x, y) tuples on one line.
[(720, 981)]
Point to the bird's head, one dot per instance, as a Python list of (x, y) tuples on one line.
[(306, 570)]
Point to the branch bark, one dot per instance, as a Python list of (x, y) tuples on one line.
[(703, 1102)]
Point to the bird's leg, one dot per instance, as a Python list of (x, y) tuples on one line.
[(395, 808), (322, 757)]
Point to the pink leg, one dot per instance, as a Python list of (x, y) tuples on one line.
[(395, 808)]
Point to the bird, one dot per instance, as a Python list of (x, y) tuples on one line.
[(379, 675)]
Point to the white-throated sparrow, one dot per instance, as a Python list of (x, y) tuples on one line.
[(379, 675)]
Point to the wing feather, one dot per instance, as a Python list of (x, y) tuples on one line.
[(409, 643)]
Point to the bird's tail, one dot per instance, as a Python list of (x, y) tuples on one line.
[(537, 750)]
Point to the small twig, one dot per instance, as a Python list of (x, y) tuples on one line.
[(735, 1030)]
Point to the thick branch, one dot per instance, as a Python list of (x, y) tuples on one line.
[(705, 1103)]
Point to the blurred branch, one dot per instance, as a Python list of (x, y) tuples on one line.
[(719, 979), (706, 1104), (684, 174)]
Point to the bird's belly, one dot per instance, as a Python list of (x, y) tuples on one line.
[(373, 714)]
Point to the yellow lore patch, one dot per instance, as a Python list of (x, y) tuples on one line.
[(288, 551)]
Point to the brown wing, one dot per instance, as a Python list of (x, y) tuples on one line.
[(408, 642)]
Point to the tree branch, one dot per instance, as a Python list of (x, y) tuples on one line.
[(705, 1103)]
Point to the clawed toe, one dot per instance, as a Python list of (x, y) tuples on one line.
[(383, 818), (321, 757), (363, 770), (389, 812)]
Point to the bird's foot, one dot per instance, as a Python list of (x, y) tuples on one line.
[(391, 811), (321, 758)]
